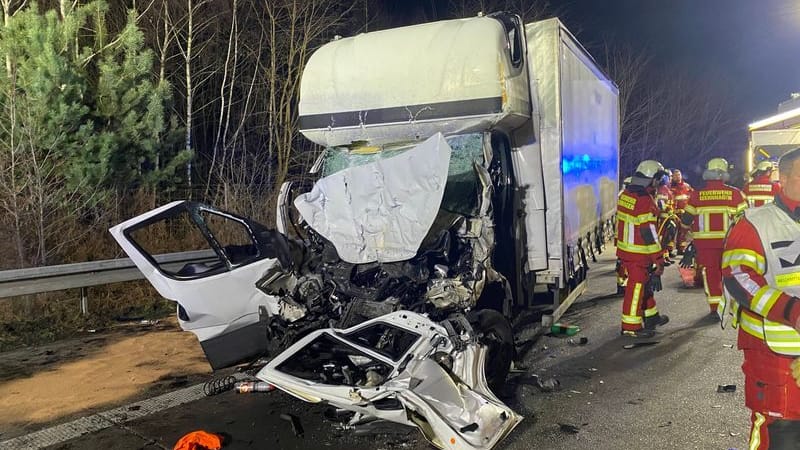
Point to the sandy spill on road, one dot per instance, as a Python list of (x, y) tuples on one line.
[(56, 382)]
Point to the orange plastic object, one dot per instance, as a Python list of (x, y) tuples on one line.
[(199, 440), (688, 276)]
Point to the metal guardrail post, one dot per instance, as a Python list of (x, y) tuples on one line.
[(84, 301)]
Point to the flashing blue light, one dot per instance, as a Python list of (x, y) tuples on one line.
[(577, 163)]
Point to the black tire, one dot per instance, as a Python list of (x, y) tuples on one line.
[(497, 335)]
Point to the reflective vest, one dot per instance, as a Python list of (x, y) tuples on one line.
[(714, 207), (782, 270), (760, 191), (636, 215)]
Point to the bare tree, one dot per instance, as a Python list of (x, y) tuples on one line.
[(186, 28)]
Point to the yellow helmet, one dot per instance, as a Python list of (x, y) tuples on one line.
[(650, 169), (764, 166), (718, 164)]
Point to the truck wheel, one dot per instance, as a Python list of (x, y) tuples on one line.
[(499, 338)]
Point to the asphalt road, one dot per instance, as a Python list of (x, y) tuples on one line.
[(658, 397)]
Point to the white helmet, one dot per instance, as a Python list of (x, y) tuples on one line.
[(650, 168)]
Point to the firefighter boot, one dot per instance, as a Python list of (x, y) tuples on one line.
[(658, 320), (638, 334)]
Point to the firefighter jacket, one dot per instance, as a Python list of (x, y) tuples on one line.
[(637, 239), (664, 200), (680, 195), (761, 276), (711, 211), (761, 190)]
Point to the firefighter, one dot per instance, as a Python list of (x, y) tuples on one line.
[(709, 214), (640, 252), (622, 276), (667, 223), (761, 274), (680, 195), (761, 189)]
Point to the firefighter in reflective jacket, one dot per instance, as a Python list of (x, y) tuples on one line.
[(761, 275), (761, 189), (640, 252), (622, 275), (710, 212), (680, 197)]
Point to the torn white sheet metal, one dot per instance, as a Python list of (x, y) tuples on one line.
[(380, 211), (452, 406), (201, 297)]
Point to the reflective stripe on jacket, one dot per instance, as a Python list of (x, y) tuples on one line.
[(710, 211), (761, 190), (637, 238)]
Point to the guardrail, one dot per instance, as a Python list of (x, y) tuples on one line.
[(36, 280)]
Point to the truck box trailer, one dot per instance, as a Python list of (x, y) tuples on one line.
[(469, 167)]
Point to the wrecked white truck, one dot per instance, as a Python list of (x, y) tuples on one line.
[(469, 168)]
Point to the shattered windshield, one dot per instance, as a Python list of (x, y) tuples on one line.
[(461, 190)]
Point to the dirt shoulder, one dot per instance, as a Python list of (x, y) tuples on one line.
[(54, 383)]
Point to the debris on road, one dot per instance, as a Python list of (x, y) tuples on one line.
[(581, 341), (564, 329), (568, 428), (726, 388), (549, 385), (244, 387), (639, 344), (199, 440), (666, 424), (218, 385), (297, 427)]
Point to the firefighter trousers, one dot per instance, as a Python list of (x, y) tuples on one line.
[(638, 302), (709, 263), (773, 396), (770, 433)]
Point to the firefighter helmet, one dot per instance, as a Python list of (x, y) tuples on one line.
[(717, 164), (764, 166), (716, 169), (650, 169)]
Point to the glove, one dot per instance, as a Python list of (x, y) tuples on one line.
[(687, 262), (655, 282), (796, 371)]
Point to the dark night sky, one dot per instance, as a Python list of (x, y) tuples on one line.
[(751, 48)]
